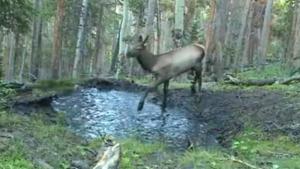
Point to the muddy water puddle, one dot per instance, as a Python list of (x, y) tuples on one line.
[(93, 113)]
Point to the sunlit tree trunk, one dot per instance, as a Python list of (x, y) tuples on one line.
[(79, 44), (122, 45), (57, 41)]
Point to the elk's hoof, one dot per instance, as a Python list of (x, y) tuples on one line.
[(140, 106)]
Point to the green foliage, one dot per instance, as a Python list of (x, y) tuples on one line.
[(6, 93), (15, 157), (283, 16), (136, 5), (16, 15)]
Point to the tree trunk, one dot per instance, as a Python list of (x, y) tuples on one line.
[(150, 23), (79, 44), (116, 47), (98, 55), (36, 41), (296, 50), (11, 58), (24, 54), (57, 41), (241, 35), (288, 54), (158, 27), (1, 56), (179, 22), (209, 36), (244, 59), (265, 33), (122, 44)]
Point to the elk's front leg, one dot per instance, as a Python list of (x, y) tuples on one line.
[(164, 104), (194, 81), (199, 77), (142, 101)]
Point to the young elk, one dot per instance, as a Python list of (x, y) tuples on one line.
[(168, 65)]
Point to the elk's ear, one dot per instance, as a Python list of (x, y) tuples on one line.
[(146, 39), (140, 38)]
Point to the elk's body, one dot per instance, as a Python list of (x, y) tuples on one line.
[(168, 65)]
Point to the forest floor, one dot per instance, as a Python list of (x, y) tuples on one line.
[(256, 127)]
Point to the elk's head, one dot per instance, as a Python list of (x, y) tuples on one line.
[(138, 47)]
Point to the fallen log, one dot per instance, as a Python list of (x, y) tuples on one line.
[(264, 82), (110, 158)]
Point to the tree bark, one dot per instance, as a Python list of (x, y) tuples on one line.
[(57, 41), (239, 48), (1, 56), (11, 58), (179, 22), (24, 54), (36, 41), (121, 37), (98, 55), (265, 33), (150, 23), (79, 44), (158, 27), (115, 48), (209, 36), (296, 51)]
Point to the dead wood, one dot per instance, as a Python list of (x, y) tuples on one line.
[(261, 82)]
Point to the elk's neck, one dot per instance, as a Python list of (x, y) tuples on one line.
[(147, 60)]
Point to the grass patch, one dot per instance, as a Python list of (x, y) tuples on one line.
[(135, 153), (206, 159), (15, 157), (35, 139), (269, 72), (56, 85), (270, 152)]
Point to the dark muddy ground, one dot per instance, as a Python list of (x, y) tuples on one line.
[(220, 114)]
